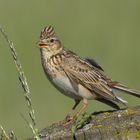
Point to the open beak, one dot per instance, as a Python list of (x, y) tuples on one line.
[(42, 44)]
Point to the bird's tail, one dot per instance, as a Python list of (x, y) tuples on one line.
[(121, 87)]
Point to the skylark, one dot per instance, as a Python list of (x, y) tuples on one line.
[(76, 77)]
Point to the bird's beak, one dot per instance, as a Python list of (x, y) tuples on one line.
[(42, 44)]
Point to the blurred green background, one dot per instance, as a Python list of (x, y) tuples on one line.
[(107, 30)]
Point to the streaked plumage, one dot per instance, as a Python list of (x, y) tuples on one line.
[(76, 77)]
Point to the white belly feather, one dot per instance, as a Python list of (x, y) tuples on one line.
[(64, 85)]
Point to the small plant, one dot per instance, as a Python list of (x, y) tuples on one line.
[(24, 84)]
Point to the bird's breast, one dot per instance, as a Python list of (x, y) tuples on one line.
[(63, 84)]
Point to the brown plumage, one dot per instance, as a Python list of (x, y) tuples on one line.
[(76, 77)]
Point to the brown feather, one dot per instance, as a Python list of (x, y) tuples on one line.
[(83, 73)]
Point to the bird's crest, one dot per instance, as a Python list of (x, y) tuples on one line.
[(47, 32)]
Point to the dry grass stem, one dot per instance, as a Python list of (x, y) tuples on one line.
[(23, 81)]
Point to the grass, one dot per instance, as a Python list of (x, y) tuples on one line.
[(24, 84)]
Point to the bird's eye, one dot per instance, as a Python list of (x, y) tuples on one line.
[(52, 40)]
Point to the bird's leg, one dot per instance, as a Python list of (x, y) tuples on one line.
[(69, 117), (85, 104), (76, 103), (73, 118)]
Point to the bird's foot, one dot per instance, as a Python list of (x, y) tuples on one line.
[(69, 120)]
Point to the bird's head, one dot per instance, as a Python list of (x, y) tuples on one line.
[(49, 41)]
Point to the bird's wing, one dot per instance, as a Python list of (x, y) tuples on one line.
[(94, 63), (81, 72)]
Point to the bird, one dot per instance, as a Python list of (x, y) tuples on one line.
[(81, 79)]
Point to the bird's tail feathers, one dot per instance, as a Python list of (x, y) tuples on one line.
[(125, 89), (122, 101)]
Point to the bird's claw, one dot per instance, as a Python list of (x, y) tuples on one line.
[(69, 120)]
